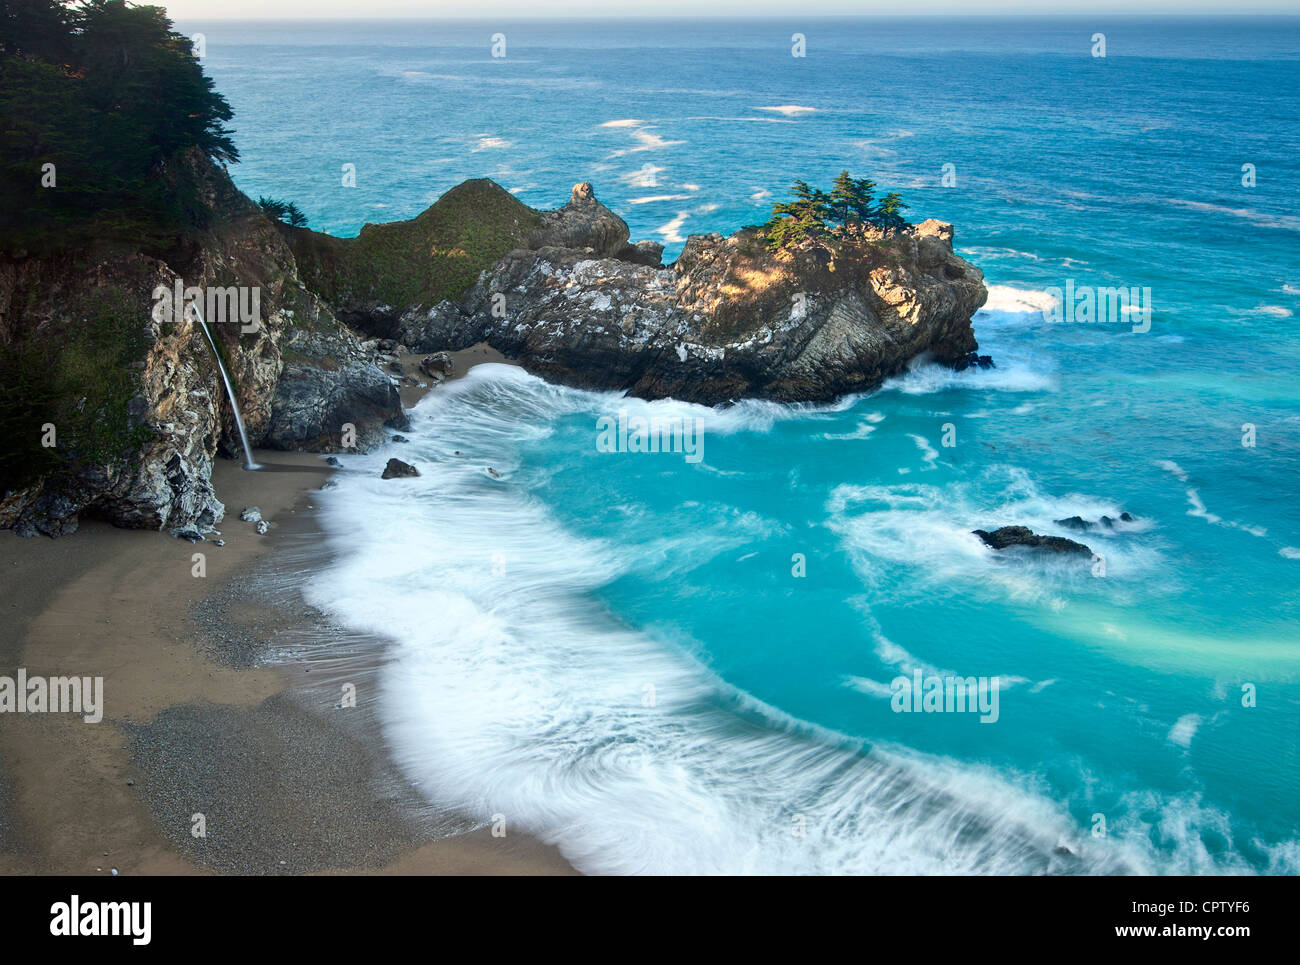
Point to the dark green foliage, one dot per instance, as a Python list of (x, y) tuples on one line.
[(817, 216), (79, 380), (804, 217), (106, 92), (285, 211), (890, 213), (851, 199), (103, 99), (35, 28)]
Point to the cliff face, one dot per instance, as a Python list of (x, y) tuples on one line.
[(728, 320), (140, 411), (299, 377)]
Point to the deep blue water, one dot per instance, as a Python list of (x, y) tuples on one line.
[(1123, 694)]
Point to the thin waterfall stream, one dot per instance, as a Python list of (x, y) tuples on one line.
[(230, 391)]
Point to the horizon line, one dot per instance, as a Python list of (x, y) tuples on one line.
[(922, 15)]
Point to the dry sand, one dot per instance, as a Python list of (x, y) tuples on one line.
[(193, 724)]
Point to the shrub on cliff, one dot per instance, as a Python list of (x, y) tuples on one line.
[(77, 383), (285, 211), (94, 97), (818, 216)]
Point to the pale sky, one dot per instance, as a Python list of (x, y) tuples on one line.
[(786, 9)]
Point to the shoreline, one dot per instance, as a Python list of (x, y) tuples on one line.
[(198, 720)]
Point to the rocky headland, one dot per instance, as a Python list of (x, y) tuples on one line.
[(566, 293), (576, 302)]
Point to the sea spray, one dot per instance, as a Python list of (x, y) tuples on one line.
[(526, 698)]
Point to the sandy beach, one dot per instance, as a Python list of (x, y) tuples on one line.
[(221, 697)]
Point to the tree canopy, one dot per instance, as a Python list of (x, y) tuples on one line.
[(817, 215), (94, 97)]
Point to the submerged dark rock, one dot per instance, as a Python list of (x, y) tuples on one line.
[(974, 360), (1081, 525), (396, 469), (1009, 536)]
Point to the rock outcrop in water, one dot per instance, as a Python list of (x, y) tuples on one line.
[(1081, 525), (1012, 536), (579, 304), (396, 469)]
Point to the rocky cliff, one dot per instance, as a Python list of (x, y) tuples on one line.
[(135, 400), (729, 319)]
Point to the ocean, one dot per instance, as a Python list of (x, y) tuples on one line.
[(666, 665)]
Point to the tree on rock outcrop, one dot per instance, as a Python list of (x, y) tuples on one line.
[(806, 217), (852, 199), (816, 216), (889, 215)]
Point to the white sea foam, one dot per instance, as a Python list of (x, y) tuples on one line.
[(1184, 730), (1171, 467), (1017, 367), (658, 198), (865, 427), (671, 230), (926, 531), (790, 110), (1004, 298), (511, 690), (1013, 371), (1198, 508), (981, 252), (1259, 218), (905, 663), (646, 140), (1271, 311), (929, 454), (642, 177)]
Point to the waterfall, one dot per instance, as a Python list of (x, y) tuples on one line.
[(230, 391)]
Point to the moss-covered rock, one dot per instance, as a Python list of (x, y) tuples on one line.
[(389, 268)]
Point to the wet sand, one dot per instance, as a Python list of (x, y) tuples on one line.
[(221, 696)]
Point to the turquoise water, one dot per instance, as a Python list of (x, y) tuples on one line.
[(579, 581)]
